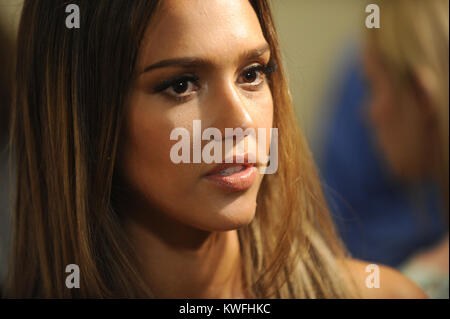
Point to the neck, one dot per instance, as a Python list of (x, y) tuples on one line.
[(179, 261)]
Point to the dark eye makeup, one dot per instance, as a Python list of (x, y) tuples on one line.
[(250, 74), (176, 83), (181, 83), (265, 69)]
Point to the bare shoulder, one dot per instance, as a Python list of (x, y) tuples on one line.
[(374, 281)]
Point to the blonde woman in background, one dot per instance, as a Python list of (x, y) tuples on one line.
[(407, 62)]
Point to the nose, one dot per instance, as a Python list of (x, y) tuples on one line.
[(232, 112), (229, 108)]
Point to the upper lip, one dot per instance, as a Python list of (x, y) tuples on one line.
[(244, 158)]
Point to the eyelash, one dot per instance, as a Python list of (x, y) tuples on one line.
[(266, 70), (166, 84)]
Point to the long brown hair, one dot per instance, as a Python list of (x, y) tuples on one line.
[(69, 106)]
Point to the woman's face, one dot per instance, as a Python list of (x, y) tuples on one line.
[(214, 54), (402, 129)]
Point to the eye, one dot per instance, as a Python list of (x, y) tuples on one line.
[(179, 88), (251, 75), (254, 76)]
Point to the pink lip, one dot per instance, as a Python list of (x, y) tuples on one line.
[(236, 182)]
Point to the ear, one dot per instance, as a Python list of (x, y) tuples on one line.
[(424, 85)]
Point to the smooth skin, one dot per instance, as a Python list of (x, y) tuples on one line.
[(183, 227)]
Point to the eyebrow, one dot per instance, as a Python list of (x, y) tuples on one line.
[(187, 62)]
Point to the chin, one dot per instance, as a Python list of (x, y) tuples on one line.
[(235, 216), (223, 211), (237, 220)]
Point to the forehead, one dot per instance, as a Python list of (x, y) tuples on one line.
[(210, 29)]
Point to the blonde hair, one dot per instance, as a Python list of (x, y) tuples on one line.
[(413, 41), (65, 168)]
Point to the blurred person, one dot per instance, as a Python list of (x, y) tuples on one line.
[(407, 63), (94, 108), (380, 219)]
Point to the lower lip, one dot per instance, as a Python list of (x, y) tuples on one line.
[(236, 182)]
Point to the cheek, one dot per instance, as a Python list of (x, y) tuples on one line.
[(268, 118), (267, 108), (384, 121), (385, 114), (397, 132), (147, 139), (145, 155), (263, 114), (381, 108)]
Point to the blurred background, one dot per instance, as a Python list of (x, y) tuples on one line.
[(381, 217)]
